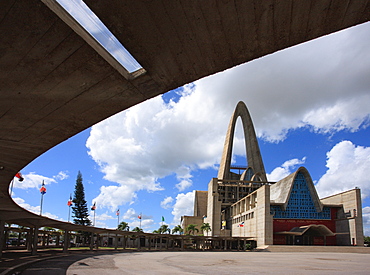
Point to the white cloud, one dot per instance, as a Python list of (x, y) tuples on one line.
[(102, 217), (184, 206), (32, 180), (348, 167), (34, 209), (129, 214), (285, 169), (131, 217), (166, 203), (322, 85), (62, 175), (366, 220)]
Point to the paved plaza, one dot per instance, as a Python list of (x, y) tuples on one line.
[(204, 263)]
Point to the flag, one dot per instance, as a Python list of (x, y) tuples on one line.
[(19, 176), (241, 224), (117, 213), (162, 219), (43, 189), (69, 203), (139, 217), (93, 207)]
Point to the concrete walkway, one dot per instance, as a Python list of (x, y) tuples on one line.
[(223, 263), (272, 260)]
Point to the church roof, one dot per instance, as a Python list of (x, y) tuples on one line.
[(280, 191)]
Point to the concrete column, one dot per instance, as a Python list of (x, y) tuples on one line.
[(138, 245), (57, 240), (43, 239), (160, 243), (35, 240), (124, 241), (116, 242), (29, 239), (66, 241), (19, 238), (92, 241), (150, 243), (182, 244), (2, 237), (48, 239)]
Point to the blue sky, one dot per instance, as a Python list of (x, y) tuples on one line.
[(310, 105)]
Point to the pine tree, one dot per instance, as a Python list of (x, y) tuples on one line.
[(79, 209)]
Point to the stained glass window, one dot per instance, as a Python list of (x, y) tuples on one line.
[(300, 204)]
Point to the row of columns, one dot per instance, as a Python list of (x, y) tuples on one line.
[(171, 241)]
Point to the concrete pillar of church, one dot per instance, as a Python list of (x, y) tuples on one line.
[(57, 242), (160, 243), (66, 241), (35, 240)]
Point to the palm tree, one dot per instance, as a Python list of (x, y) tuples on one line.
[(191, 228), (164, 229), (137, 229), (205, 227), (177, 229), (123, 226), (156, 232)]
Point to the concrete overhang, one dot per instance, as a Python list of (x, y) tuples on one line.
[(53, 84)]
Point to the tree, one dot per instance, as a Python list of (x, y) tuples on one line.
[(123, 226), (177, 229), (137, 229), (367, 240), (191, 228), (205, 227), (79, 209), (164, 229)]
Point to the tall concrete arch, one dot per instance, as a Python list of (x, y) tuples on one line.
[(254, 159)]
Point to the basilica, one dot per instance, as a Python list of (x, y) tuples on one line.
[(241, 202)]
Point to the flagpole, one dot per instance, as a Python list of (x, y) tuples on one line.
[(141, 216), (42, 199), (42, 191), (93, 208), (69, 212), (117, 218), (69, 206)]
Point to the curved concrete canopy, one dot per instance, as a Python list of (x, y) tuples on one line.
[(54, 85)]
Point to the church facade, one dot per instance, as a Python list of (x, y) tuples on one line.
[(240, 202)]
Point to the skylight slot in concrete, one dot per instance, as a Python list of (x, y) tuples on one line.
[(83, 21)]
